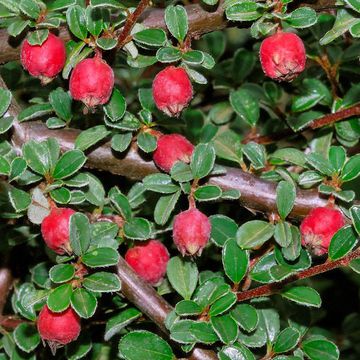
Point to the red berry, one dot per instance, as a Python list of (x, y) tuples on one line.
[(319, 227), (149, 260), (172, 90), (58, 328), (283, 56), (44, 61), (191, 231), (92, 82), (55, 230), (170, 149)]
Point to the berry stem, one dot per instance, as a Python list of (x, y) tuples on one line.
[(274, 288)]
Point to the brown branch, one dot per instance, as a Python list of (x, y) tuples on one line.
[(200, 22), (151, 304), (6, 283), (274, 288), (257, 194), (337, 116), (131, 21)]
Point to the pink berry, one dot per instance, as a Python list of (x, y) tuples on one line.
[(149, 260), (92, 82), (44, 61), (172, 90), (58, 328), (319, 227), (283, 56), (55, 230), (170, 149), (191, 231)]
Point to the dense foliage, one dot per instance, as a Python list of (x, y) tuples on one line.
[(174, 136)]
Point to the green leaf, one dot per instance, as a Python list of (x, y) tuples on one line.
[(84, 303), (5, 100), (90, 137), (137, 229), (351, 169), (30, 8), (151, 37), (120, 203), (203, 332), (187, 308), (106, 3), (102, 282), (80, 348), (318, 162), (202, 160), (235, 261), (26, 337), (223, 304), (146, 142), (181, 172), (61, 195), (60, 4), (286, 340), (120, 142), (344, 21), (302, 17), (243, 11), (164, 207), (256, 154), (245, 105), (355, 217), (6, 123), (101, 257), (320, 349), (225, 327), (59, 298), (144, 345), (288, 155), (94, 20), (342, 242), (160, 183), (76, 20), (246, 316), (222, 229), (116, 107), (35, 111), (303, 295), (17, 27), (62, 273), (207, 193), (17, 168), (168, 54), (236, 351), (183, 276), (69, 163), (337, 157), (254, 233), (120, 321), (176, 21), (180, 332), (19, 199), (61, 103), (79, 230), (285, 198)]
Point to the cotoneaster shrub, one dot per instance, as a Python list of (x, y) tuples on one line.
[(179, 180)]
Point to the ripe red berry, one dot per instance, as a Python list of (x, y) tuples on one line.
[(170, 149), (172, 90), (191, 231), (92, 82), (319, 227), (149, 260), (283, 56), (58, 328), (55, 230), (44, 61)]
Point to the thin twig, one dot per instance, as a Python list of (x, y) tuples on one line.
[(131, 21), (274, 288)]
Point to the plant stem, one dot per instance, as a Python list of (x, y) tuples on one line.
[(274, 288), (131, 21)]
